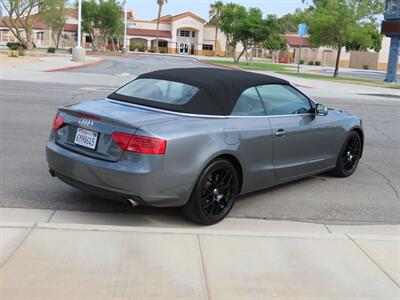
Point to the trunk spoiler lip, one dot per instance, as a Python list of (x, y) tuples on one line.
[(122, 123)]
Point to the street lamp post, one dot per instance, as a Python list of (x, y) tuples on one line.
[(78, 53), (124, 48)]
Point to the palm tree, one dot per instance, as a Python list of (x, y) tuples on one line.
[(215, 12), (160, 5)]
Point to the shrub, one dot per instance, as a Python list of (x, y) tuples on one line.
[(366, 67), (317, 63), (13, 53), (14, 45), (51, 50), (140, 48), (310, 63), (301, 61)]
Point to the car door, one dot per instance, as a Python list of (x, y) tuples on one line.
[(301, 143), (249, 119)]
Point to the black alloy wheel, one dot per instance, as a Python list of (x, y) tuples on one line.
[(213, 196), (349, 156)]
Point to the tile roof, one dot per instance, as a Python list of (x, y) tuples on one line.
[(294, 41), (149, 32)]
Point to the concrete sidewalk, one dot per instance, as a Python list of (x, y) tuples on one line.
[(49, 255)]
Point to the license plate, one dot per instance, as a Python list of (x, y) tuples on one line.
[(86, 138)]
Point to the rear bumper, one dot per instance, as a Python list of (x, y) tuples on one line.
[(141, 178)]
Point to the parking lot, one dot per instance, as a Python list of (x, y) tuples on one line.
[(370, 196)]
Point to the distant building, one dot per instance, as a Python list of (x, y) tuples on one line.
[(184, 33), (187, 33), (326, 56)]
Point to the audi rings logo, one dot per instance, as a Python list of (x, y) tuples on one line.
[(85, 122)]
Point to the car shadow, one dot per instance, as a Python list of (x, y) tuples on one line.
[(81, 207), (285, 186)]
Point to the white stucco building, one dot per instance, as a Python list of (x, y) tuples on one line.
[(184, 33)]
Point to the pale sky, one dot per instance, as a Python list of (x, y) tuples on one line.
[(147, 9)]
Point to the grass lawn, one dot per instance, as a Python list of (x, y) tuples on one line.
[(255, 65), (290, 70)]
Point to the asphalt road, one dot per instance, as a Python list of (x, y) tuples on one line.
[(370, 196), (136, 65), (364, 74)]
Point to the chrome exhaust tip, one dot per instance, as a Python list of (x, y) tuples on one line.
[(132, 202)]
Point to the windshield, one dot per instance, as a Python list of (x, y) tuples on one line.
[(163, 91)]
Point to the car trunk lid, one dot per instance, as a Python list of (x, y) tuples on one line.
[(88, 126)]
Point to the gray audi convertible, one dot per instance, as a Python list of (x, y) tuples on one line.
[(197, 138)]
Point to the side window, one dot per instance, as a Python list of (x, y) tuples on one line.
[(283, 100), (249, 104)]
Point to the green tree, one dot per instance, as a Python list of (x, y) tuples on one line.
[(20, 15), (291, 21), (215, 13), (334, 23), (366, 37), (230, 16), (110, 22), (253, 30), (90, 19), (247, 27), (160, 4), (275, 42), (53, 14), (250, 31)]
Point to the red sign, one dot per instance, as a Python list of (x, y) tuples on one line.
[(390, 27)]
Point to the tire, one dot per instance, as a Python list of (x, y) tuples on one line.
[(214, 194), (349, 156)]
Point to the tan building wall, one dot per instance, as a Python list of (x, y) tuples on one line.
[(364, 60)]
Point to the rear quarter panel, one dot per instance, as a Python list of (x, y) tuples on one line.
[(193, 142)]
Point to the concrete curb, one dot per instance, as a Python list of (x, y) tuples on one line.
[(76, 67), (219, 65), (75, 220)]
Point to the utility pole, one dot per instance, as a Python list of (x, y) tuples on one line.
[(78, 53)]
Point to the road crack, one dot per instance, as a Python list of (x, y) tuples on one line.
[(388, 181), (388, 137)]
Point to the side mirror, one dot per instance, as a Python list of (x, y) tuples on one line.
[(321, 110)]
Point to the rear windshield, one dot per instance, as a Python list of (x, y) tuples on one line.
[(163, 91)]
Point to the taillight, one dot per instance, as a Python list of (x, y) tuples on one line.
[(139, 144), (58, 122)]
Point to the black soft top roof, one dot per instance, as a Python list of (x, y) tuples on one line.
[(219, 89)]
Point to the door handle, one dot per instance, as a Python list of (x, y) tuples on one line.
[(280, 132)]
